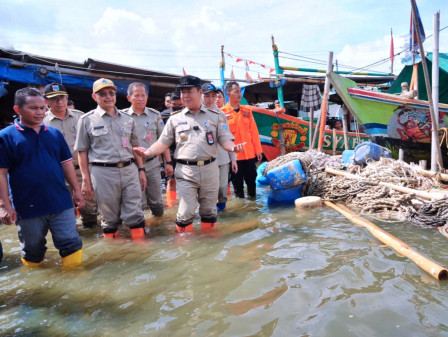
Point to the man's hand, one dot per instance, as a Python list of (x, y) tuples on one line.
[(259, 157), (234, 166), (8, 215), (239, 147), (142, 151), (169, 171), (79, 199), (142, 179), (87, 190)]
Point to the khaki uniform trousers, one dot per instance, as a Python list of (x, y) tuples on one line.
[(118, 195), (197, 184), (153, 193), (89, 212), (223, 183)]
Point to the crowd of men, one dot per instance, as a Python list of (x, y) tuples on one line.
[(55, 160)]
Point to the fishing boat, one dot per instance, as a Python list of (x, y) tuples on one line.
[(295, 133), (391, 120)]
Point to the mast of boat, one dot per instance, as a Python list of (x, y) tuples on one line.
[(222, 67), (435, 90), (324, 107), (428, 87), (279, 96), (278, 71)]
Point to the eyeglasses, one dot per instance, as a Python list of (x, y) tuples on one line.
[(57, 98), (107, 93)]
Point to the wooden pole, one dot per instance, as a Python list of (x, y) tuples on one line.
[(335, 142), (344, 128), (324, 107), (435, 90), (313, 143), (421, 194), (428, 87), (426, 264), (310, 139), (278, 70)]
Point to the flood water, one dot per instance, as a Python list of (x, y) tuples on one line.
[(263, 272)]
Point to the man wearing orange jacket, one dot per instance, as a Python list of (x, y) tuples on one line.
[(244, 129)]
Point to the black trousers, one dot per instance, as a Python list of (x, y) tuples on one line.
[(247, 172)]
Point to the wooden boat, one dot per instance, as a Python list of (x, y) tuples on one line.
[(391, 120), (295, 133)]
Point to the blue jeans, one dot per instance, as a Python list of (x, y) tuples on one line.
[(62, 226)]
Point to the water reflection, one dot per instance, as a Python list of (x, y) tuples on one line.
[(264, 272)]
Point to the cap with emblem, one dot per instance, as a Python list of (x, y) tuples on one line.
[(54, 89), (189, 81), (103, 83), (208, 87)]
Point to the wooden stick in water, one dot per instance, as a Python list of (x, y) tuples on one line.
[(431, 267)]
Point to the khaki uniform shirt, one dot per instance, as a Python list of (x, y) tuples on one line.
[(107, 139), (67, 126), (149, 126), (192, 133)]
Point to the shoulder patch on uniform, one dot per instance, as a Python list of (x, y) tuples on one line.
[(154, 110), (76, 111), (88, 113), (182, 122)]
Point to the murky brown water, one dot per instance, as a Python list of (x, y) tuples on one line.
[(264, 272)]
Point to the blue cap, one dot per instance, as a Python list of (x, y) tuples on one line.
[(208, 87)]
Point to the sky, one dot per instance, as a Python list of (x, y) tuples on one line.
[(170, 36)]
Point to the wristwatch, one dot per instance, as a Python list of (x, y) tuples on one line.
[(142, 169), (169, 163)]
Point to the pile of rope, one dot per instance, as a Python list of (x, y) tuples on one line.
[(365, 194)]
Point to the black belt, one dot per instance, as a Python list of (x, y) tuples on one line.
[(119, 165), (198, 163), (145, 160)]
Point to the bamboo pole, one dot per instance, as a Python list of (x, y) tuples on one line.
[(335, 142), (426, 264), (428, 87), (310, 139), (344, 128), (435, 90), (316, 132), (324, 107), (421, 194)]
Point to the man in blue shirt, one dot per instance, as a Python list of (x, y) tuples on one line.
[(34, 159)]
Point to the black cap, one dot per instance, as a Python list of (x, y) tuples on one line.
[(208, 87), (175, 95), (54, 89), (189, 81)]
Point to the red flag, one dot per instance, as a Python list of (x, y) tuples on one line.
[(263, 65), (229, 55), (185, 73), (414, 30), (391, 52), (252, 62), (239, 60), (232, 75), (272, 69), (249, 78)]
